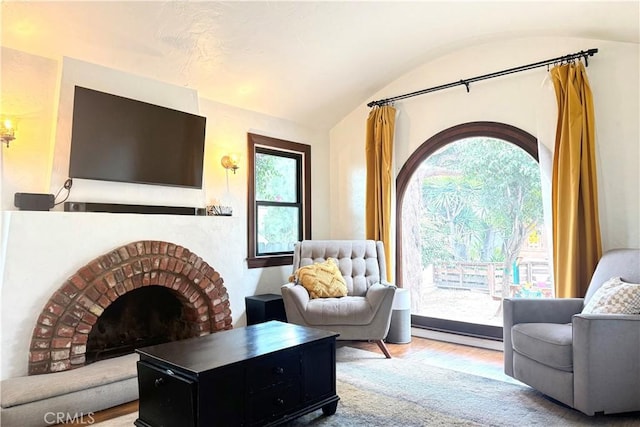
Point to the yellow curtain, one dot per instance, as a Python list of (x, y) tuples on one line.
[(379, 153), (576, 230)]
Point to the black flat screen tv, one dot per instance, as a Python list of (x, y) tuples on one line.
[(120, 139)]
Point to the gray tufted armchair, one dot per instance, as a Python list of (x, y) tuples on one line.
[(365, 313), (590, 362)]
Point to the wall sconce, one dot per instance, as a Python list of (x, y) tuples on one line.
[(7, 131), (230, 162)]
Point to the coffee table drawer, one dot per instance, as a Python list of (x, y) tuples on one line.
[(271, 371), (270, 404)]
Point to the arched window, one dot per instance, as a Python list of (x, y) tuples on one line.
[(470, 227)]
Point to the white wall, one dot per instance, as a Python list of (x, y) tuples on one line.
[(42, 249), (518, 100)]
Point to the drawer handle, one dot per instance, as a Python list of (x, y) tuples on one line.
[(159, 382), (279, 401), (278, 370)]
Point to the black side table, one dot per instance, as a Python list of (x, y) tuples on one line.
[(262, 308)]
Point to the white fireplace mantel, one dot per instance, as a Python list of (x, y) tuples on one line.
[(40, 250)]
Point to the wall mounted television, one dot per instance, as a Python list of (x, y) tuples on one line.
[(120, 139)]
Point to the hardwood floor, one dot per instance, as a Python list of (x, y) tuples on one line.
[(475, 360)]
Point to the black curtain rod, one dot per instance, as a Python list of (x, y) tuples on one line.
[(466, 82)]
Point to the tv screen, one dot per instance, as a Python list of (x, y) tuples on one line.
[(120, 139)]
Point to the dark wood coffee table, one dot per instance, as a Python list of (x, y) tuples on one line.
[(264, 374)]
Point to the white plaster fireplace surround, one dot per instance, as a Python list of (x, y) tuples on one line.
[(42, 250)]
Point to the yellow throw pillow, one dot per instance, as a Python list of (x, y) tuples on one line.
[(322, 280)]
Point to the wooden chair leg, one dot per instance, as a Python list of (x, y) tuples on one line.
[(384, 348)]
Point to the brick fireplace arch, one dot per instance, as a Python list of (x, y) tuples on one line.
[(59, 340)]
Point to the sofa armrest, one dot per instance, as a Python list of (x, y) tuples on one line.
[(534, 310), (606, 362), (295, 298), (379, 294)]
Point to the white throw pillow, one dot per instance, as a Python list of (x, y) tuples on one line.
[(615, 297)]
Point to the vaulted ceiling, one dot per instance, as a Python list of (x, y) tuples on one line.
[(309, 62)]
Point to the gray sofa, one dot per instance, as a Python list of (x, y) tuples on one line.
[(365, 313), (590, 362), (40, 400)]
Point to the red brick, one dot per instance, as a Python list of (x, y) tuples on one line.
[(62, 365), (171, 264), (155, 263), (78, 282), (127, 269), (100, 286), (146, 279), (137, 281), (128, 285), (179, 266), (163, 247), (89, 318), (155, 247), (95, 267), (146, 264), (105, 262), (54, 308), (124, 253), (114, 257), (77, 361), (78, 349), (69, 290), (64, 331), (83, 328), (164, 263), (132, 249), (77, 310), (137, 267), (199, 301), (146, 247), (204, 283), (60, 354), (92, 293), (171, 250), (110, 279), (120, 289), (86, 274), (47, 320), (39, 356), (80, 339), (70, 320), (40, 344), (179, 251), (195, 297), (39, 368), (120, 276), (104, 301), (58, 343)]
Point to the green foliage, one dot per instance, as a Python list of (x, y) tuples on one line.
[(275, 181), (481, 197)]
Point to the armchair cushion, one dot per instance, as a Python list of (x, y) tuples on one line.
[(615, 297), (321, 279), (547, 343), (349, 310)]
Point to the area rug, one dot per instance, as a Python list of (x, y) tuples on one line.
[(375, 391)]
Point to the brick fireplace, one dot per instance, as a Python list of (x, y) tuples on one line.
[(61, 335)]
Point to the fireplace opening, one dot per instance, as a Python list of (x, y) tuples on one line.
[(146, 316)]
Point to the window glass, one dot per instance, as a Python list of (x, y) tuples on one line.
[(278, 229), (276, 178)]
